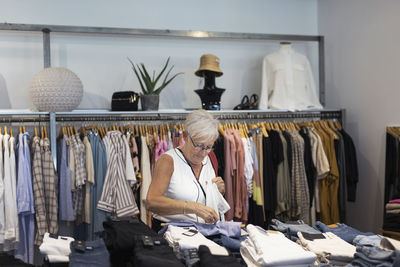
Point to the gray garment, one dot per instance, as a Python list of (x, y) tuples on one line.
[(293, 228), (342, 190), (100, 166), (283, 183), (300, 192)]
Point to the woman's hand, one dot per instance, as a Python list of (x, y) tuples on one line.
[(207, 213), (220, 184)]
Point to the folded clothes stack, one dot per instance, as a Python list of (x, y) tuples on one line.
[(271, 248), (391, 221), (56, 249), (329, 248), (189, 237)]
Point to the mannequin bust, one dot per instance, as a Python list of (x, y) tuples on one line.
[(210, 95)]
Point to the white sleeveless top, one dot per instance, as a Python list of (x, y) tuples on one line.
[(184, 185)]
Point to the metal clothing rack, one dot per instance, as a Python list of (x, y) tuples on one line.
[(52, 118), (47, 29)]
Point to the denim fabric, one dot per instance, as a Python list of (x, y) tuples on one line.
[(292, 229), (342, 230), (233, 244), (231, 229), (364, 240), (95, 255), (373, 256)]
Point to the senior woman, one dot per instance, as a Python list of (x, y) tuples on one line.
[(177, 190)]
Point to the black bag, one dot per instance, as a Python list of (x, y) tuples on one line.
[(125, 101)]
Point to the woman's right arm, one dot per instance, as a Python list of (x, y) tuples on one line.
[(158, 203)]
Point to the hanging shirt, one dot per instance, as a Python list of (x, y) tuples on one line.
[(2, 215), (14, 211), (25, 202), (117, 195), (90, 178), (50, 187), (287, 82), (146, 178), (38, 192), (65, 197)]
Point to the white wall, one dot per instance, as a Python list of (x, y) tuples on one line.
[(362, 39), (101, 61)]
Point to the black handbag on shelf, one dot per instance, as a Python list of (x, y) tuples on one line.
[(124, 101)]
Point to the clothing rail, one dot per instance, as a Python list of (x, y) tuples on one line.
[(180, 115), (9, 116), (47, 29)]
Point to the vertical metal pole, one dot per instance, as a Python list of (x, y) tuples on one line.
[(46, 48), (321, 66), (53, 140)]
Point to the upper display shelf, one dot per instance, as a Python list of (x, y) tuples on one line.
[(47, 29)]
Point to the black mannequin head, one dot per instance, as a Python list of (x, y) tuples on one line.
[(209, 79)]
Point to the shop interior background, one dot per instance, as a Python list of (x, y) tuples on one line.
[(361, 56)]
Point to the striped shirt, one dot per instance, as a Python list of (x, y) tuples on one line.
[(117, 196)]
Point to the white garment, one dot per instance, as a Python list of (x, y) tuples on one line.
[(129, 170), (287, 82), (185, 239), (146, 178), (56, 249), (272, 248), (2, 215), (216, 200), (184, 185), (321, 163), (248, 162), (10, 204), (331, 249), (13, 169)]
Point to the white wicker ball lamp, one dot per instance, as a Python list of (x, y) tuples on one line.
[(56, 89)]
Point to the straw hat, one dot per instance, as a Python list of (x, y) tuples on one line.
[(209, 62)]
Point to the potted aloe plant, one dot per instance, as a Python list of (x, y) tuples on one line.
[(150, 97)]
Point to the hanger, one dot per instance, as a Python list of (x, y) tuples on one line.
[(5, 130), (338, 125), (45, 132), (20, 129), (11, 132), (35, 130)]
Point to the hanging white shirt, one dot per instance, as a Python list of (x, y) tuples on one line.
[(10, 203), (2, 217), (287, 82)]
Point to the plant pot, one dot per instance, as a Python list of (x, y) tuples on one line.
[(150, 102)]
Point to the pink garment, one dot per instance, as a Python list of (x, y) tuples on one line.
[(240, 188), (229, 172), (158, 149), (395, 201), (161, 147)]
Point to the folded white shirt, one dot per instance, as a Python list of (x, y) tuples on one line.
[(272, 248), (190, 237), (57, 249)]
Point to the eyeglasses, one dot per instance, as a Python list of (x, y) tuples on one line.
[(199, 148)]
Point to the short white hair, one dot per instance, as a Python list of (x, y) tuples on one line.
[(202, 126)]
